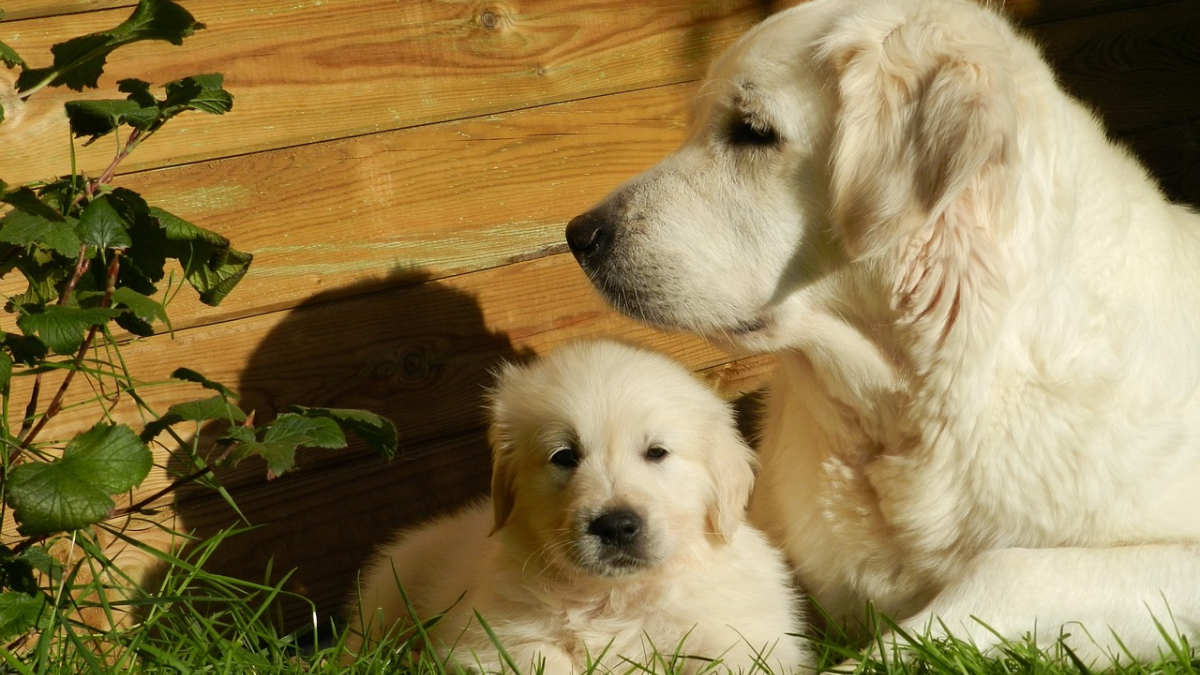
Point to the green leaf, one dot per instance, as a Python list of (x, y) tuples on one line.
[(378, 432), (214, 408), (204, 93), (41, 560), (201, 410), (62, 328), (189, 375), (20, 613), (10, 59), (145, 261), (73, 492), (9, 56), (147, 309), (139, 92), (280, 457), (100, 118), (102, 226), (25, 199), (46, 275), (315, 432), (79, 62), (140, 311), (209, 264), (17, 569), (286, 433), (61, 194), (179, 230), (141, 110), (16, 572), (238, 435), (214, 276), (134, 325), (28, 229)]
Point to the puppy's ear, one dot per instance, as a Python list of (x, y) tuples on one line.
[(500, 438), (731, 468), (925, 127)]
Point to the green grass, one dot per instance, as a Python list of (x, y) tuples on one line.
[(198, 622)]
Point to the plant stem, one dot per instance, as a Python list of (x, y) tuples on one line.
[(81, 267), (82, 264), (30, 411), (56, 403)]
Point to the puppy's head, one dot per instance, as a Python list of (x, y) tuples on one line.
[(833, 141), (610, 460)]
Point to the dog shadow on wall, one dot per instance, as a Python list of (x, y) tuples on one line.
[(415, 351)]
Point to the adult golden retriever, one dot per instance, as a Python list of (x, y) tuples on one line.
[(986, 417), (616, 528)]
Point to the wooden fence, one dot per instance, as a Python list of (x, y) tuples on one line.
[(403, 171)]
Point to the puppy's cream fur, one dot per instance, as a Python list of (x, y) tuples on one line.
[(987, 319), (646, 438)]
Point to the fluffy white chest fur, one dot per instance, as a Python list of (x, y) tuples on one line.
[(731, 597)]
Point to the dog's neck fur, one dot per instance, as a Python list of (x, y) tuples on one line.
[(908, 370)]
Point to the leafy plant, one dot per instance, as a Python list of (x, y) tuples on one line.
[(100, 265)]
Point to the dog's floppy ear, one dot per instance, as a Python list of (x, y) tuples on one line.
[(500, 438), (925, 127), (731, 468)]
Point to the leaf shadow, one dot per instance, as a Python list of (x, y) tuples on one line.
[(414, 350)]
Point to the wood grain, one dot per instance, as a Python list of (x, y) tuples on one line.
[(442, 199), (1140, 68), (1031, 12), (315, 71), (1173, 155), (419, 355), (16, 10), (403, 172), (1027, 11)]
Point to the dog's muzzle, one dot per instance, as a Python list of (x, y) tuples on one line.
[(590, 237)]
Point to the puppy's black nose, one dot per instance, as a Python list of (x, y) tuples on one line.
[(617, 528), (589, 235)]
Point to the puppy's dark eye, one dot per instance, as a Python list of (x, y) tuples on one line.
[(746, 134), (567, 458), (656, 453)]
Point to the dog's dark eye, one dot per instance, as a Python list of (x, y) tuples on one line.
[(744, 133), (656, 453), (567, 458)]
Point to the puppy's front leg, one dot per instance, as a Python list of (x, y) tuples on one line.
[(1107, 604), (541, 657)]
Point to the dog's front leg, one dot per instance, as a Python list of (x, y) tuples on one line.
[(1105, 604)]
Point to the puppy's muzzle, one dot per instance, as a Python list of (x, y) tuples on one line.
[(619, 529)]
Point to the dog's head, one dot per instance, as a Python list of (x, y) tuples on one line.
[(836, 146), (609, 459)]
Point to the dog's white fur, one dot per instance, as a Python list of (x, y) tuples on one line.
[(987, 319), (704, 583)]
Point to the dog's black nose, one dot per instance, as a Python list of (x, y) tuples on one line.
[(616, 528), (589, 235)]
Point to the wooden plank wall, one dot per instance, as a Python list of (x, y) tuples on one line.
[(403, 172)]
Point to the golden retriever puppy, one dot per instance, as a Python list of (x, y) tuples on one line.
[(615, 531), (987, 412)]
